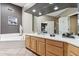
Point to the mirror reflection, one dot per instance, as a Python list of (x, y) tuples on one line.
[(62, 20)]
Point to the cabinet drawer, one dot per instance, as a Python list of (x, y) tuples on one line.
[(53, 50), (35, 38), (72, 49), (55, 43), (41, 39)]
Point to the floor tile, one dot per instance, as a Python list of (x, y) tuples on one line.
[(13, 48)]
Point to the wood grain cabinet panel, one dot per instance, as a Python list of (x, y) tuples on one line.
[(55, 43), (41, 40), (53, 50), (33, 44), (49, 47), (73, 50), (41, 46), (27, 42)]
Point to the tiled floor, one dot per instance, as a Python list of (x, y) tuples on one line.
[(14, 48)]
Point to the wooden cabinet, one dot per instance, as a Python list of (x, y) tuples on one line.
[(73, 50), (27, 42), (54, 48), (33, 44), (41, 46), (50, 47), (54, 43)]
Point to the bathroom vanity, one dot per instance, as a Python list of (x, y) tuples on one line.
[(44, 45)]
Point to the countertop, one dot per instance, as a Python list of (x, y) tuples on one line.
[(73, 41)]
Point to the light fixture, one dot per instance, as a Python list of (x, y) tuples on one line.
[(55, 8), (33, 10), (40, 13), (50, 3)]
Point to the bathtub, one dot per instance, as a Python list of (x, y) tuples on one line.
[(10, 37)]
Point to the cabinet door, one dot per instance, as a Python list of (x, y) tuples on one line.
[(33, 44), (72, 50), (41, 48), (27, 42), (53, 50)]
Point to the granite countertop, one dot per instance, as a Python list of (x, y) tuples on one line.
[(73, 41)]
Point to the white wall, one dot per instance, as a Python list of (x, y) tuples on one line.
[(26, 22)]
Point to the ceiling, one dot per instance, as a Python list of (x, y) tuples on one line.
[(56, 13), (28, 5), (46, 8), (62, 12), (20, 4), (24, 5)]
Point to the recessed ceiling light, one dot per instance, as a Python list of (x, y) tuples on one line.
[(50, 3), (56, 8), (33, 10), (40, 13)]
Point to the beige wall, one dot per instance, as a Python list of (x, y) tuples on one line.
[(73, 24)]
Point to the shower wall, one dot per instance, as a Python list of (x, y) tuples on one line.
[(0, 18), (8, 9)]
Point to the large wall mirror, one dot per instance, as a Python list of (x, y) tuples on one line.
[(65, 19)]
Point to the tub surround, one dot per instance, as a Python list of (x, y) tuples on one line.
[(10, 10), (10, 37), (73, 41)]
